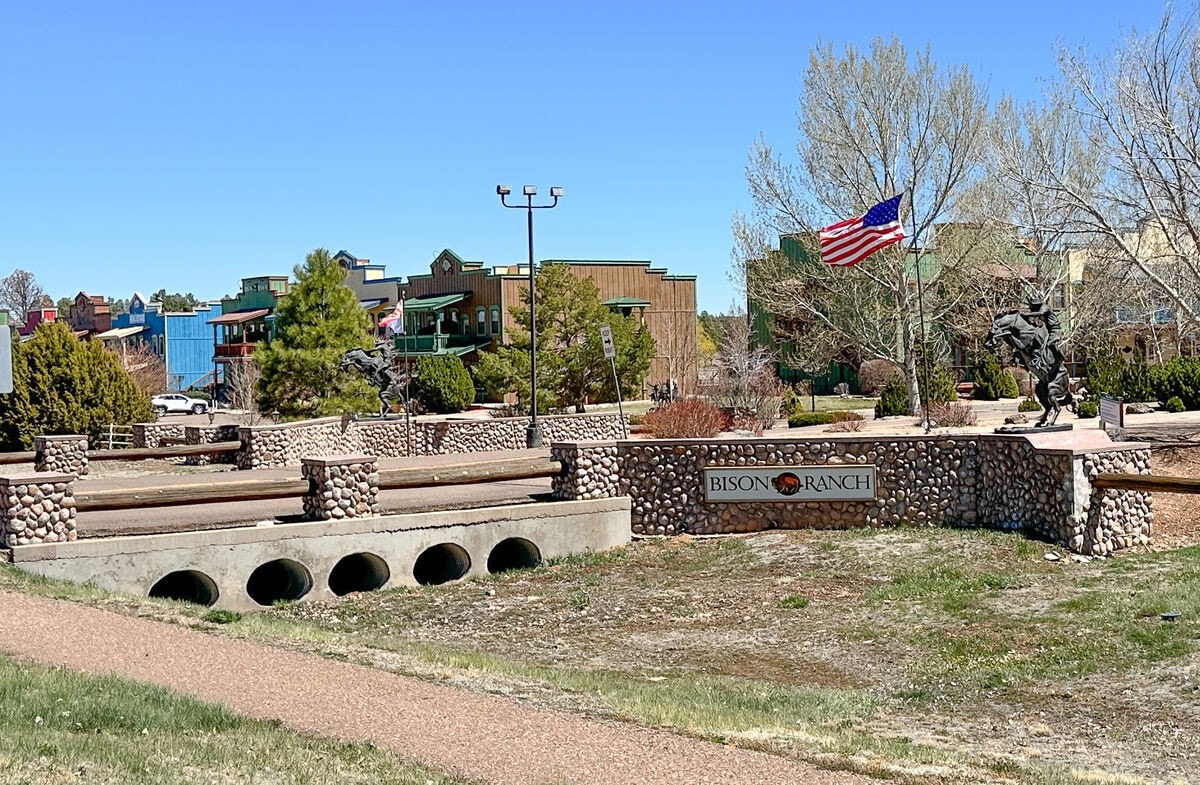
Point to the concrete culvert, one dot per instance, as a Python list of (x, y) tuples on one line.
[(278, 580), (358, 572), (187, 585), (441, 564), (514, 553)]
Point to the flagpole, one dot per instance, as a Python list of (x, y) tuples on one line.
[(924, 384)]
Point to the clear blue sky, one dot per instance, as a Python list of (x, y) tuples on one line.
[(184, 145)]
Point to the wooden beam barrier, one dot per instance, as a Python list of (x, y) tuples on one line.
[(173, 451), (1147, 482), (245, 490)]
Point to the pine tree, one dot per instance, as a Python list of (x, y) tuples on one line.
[(572, 368), (62, 385), (442, 384), (317, 322)]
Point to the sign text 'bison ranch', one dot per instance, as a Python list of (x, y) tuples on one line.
[(789, 483)]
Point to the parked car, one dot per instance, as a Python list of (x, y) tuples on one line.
[(175, 402)]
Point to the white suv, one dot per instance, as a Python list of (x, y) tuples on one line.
[(174, 402)]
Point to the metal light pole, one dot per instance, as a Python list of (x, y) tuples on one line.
[(533, 434)]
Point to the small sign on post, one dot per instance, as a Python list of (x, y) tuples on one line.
[(610, 351), (1112, 414)]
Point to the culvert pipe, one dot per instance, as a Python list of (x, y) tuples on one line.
[(279, 580), (441, 564), (513, 553), (358, 572), (188, 586)]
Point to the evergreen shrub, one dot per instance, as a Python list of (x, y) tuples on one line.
[(804, 419), (993, 382), (1089, 409), (893, 400), (442, 384), (1174, 405), (1029, 405)]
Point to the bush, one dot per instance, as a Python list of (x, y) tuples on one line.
[(850, 419), (442, 384), (803, 419), (893, 400), (1174, 405), (993, 382), (1089, 409), (62, 385), (1110, 374), (843, 426), (943, 386), (690, 418), (955, 414), (873, 375), (1179, 378), (1029, 405)]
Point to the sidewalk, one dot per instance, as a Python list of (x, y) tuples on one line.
[(494, 739)]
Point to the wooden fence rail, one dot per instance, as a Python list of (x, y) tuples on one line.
[(266, 488), (171, 451), (1147, 482)]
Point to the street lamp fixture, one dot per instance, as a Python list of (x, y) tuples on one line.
[(533, 434)]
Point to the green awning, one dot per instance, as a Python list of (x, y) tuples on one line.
[(627, 302), (433, 303)]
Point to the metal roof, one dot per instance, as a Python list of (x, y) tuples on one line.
[(240, 317), (433, 303)]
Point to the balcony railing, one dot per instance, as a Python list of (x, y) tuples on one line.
[(438, 342), (238, 350)]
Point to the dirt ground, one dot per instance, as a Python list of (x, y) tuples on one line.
[(803, 609)]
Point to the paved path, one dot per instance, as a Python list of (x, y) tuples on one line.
[(494, 739)]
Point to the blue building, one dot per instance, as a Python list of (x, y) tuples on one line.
[(184, 340)]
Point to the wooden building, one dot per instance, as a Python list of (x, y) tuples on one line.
[(462, 307)]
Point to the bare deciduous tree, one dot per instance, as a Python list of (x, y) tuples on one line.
[(144, 367), (1116, 151), (744, 376), (871, 125), (19, 292), (241, 380)]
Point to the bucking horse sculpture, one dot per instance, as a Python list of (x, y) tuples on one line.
[(1037, 351), (376, 367)]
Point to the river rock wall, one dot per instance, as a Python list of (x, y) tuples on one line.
[(272, 446), (975, 480)]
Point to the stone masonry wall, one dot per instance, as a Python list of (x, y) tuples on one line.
[(151, 434), (984, 480), (285, 445), (208, 434), (37, 507), (64, 454)]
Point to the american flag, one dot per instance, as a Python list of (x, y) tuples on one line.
[(394, 321), (848, 242)]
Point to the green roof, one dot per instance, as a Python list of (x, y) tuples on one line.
[(627, 302), (434, 303)]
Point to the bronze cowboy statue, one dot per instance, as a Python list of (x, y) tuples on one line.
[(376, 367), (1033, 336)]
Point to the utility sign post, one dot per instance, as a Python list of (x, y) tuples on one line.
[(610, 351), (6, 380)]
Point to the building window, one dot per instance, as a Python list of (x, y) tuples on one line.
[(1126, 316), (495, 320), (481, 321)]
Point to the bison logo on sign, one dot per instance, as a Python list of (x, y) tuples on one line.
[(786, 483)]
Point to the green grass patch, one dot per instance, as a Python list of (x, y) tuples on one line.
[(63, 727), (793, 602)]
